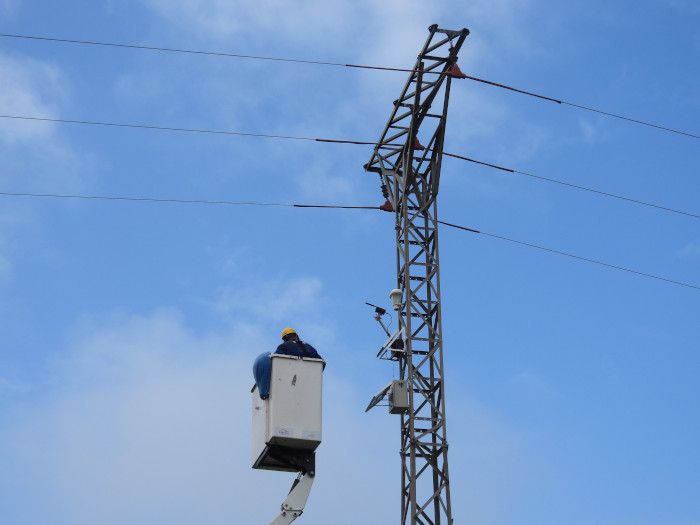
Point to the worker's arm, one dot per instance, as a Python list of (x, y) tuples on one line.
[(311, 351)]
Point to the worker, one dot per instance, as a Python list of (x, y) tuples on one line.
[(292, 345)]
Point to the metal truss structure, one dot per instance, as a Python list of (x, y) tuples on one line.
[(410, 175)]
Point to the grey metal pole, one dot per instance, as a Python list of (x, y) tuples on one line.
[(410, 175)]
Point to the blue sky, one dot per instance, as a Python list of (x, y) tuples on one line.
[(128, 329)]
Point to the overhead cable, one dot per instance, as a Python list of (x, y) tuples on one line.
[(171, 50), (339, 64), (576, 186), (183, 201), (340, 141), (586, 259), (586, 108), (323, 206), (160, 128)]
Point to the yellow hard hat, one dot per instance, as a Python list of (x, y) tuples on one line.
[(288, 331)]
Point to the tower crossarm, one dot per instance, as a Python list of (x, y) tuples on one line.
[(432, 70)]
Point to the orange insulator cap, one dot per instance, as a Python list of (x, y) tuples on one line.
[(386, 206), (455, 72)]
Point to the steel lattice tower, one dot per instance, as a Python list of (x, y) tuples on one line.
[(410, 175)]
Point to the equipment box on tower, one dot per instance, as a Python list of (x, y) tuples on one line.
[(291, 417)]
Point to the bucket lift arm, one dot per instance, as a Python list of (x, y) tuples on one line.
[(303, 462), (294, 505)]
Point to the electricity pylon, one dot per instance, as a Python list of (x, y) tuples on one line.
[(410, 175)]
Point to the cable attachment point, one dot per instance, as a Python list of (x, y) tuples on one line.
[(386, 206), (455, 72)]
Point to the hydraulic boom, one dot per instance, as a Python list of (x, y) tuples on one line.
[(293, 506)]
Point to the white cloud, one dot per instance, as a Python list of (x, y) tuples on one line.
[(690, 250), (12, 222), (29, 88), (34, 152), (689, 7), (259, 20), (590, 132), (9, 8), (268, 305), (146, 421), (12, 385), (491, 465), (322, 183), (529, 383), (5, 268), (36, 156), (378, 30), (274, 300), (5, 263)]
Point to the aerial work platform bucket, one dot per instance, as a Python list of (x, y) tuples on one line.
[(287, 425)]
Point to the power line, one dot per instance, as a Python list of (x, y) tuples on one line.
[(586, 108), (339, 64), (628, 119), (160, 128), (340, 141), (576, 186), (183, 201), (321, 206), (586, 259), (171, 50)]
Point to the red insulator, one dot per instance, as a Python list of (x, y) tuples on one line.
[(455, 72)]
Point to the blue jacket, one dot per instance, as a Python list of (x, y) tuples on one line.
[(297, 348)]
